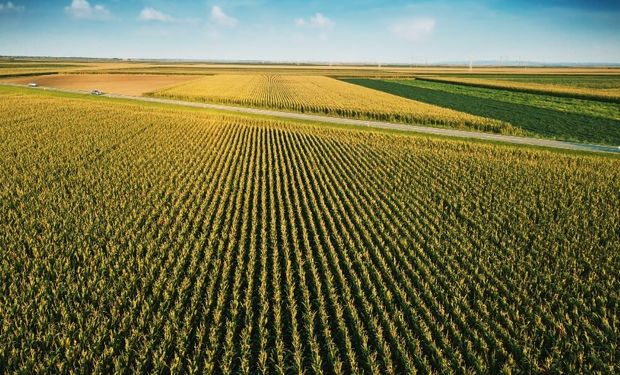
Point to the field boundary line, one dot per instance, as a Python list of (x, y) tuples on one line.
[(519, 140)]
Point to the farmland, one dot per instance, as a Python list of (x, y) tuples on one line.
[(590, 91), (151, 238), (541, 115), (23, 68), (127, 84), (596, 80), (323, 95), (16, 67), (567, 104)]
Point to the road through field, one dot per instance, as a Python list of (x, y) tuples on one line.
[(364, 123)]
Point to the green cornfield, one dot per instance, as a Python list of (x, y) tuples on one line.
[(544, 116), (145, 238)]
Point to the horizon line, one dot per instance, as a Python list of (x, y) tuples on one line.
[(451, 63)]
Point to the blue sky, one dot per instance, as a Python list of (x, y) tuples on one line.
[(315, 30)]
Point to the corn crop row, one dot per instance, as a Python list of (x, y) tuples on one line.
[(141, 239), (324, 95)]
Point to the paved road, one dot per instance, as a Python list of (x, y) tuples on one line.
[(371, 124)]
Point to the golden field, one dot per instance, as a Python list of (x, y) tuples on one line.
[(160, 239), (323, 95), (15, 67)]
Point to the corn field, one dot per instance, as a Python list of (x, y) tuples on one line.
[(138, 238), (324, 95)]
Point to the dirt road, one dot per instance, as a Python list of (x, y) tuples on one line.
[(371, 124)]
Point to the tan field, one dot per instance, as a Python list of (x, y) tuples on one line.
[(335, 71), (126, 84), (21, 67)]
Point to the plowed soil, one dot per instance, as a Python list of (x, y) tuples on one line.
[(126, 84)]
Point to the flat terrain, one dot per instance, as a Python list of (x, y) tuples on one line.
[(555, 87), (141, 237), (33, 67), (397, 127), (340, 70), (408, 128), (540, 115), (324, 95), (594, 80), (13, 67), (127, 84), (571, 104)]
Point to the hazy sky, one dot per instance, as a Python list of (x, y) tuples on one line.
[(327, 30)]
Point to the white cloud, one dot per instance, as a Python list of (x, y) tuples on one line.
[(221, 18), (151, 14), (82, 9), (414, 30), (318, 21), (10, 7)]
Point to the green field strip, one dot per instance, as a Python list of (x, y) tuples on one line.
[(593, 81), (551, 90), (543, 122)]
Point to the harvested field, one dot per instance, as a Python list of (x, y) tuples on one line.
[(126, 84)]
